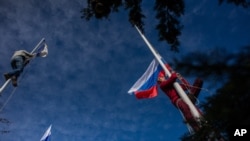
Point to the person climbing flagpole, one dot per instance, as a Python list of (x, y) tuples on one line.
[(20, 59), (176, 85)]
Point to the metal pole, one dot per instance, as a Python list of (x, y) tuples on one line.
[(177, 86), (4, 85), (43, 39)]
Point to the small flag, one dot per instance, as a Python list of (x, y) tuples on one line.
[(146, 85), (46, 135), (43, 51)]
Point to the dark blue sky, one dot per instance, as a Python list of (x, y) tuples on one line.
[(81, 87)]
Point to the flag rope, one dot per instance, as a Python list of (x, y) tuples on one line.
[(8, 99)]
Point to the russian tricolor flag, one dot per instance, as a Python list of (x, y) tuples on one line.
[(146, 85)]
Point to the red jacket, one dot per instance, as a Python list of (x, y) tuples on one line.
[(168, 88)]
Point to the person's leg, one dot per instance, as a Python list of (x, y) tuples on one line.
[(187, 114), (18, 66)]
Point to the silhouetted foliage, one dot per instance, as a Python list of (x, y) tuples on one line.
[(214, 64), (100, 8), (168, 13), (135, 13), (169, 27), (229, 107)]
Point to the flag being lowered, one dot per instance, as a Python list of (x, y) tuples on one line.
[(146, 85), (46, 135), (43, 51)]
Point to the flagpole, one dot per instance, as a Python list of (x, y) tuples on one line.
[(8, 81), (42, 40), (177, 86)]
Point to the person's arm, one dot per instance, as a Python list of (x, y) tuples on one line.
[(169, 81), (30, 55)]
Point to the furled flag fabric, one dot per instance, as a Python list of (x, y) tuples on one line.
[(43, 51), (46, 135), (146, 85)]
